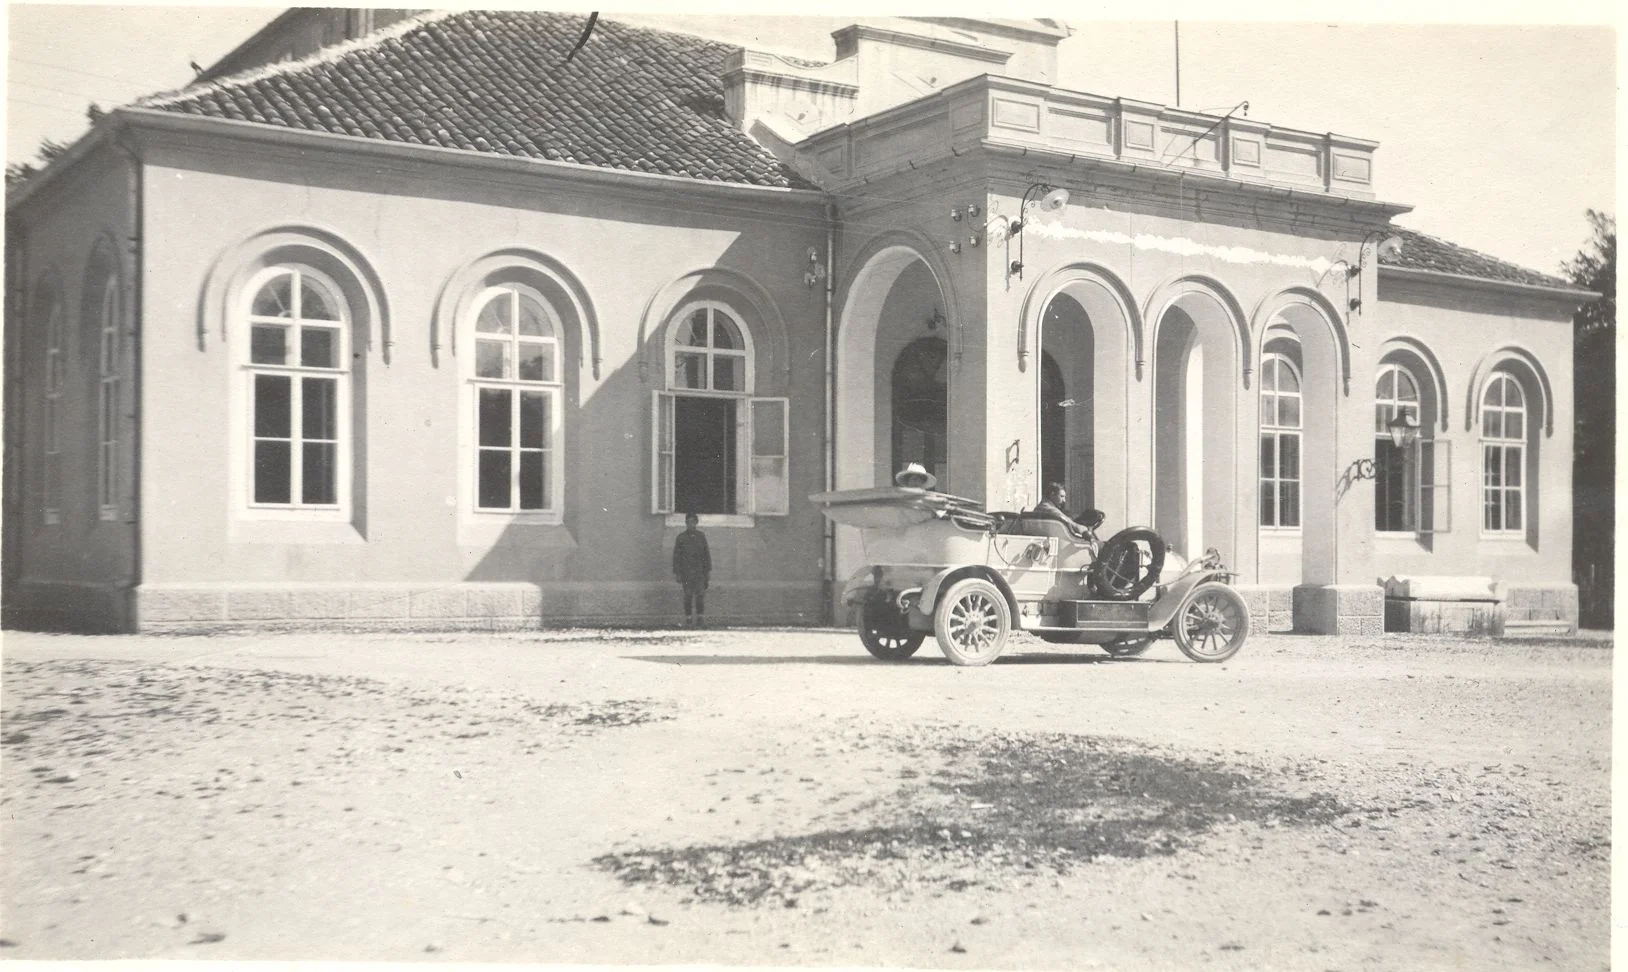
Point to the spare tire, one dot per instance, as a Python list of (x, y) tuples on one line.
[(1127, 565)]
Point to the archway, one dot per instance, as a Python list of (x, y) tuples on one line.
[(920, 396), (1054, 425), (897, 297), (1197, 379), (1067, 396)]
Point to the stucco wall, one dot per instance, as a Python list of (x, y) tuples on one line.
[(75, 572), (1465, 327), (415, 228)]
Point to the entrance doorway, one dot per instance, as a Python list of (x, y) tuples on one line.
[(921, 405)]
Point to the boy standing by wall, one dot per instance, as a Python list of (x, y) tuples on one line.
[(692, 565)]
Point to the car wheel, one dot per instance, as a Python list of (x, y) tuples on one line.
[(971, 622), (885, 633), (1128, 646), (1127, 565), (1211, 624)]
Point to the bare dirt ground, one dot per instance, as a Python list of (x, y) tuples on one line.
[(779, 798)]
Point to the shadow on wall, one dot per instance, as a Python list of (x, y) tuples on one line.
[(610, 558)]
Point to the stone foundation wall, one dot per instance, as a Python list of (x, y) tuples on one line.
[(1538, 609), (201, 607), (68, 606), (1271, 608), (1343, 609)]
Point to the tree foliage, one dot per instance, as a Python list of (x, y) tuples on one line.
[(1594, 382)]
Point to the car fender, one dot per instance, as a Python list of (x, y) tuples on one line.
[(945, 579), (1165, 608)]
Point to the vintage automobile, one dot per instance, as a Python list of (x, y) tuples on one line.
[(940, 564)]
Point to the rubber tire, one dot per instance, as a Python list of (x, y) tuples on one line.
[(972, 594), (1199, 607), (1128, 646), (1111, 587), (883, 632)]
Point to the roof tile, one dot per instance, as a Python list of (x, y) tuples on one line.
[(1421, 251), (499, 82)]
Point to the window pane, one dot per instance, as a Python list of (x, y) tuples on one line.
[(1288, 381), (1492, 423), (493, 489), (728, 373), (536, 361), (724, 332), (495, 316), (1492, 466), (1386, 389), (1494, 397), (1289, 457), (272, 401), (1289, 505), (1269, 374), (1269, 504), (1492, 511), (1515, 425), (318, 473), (491, 359), (268, 345), (769, 485), (533, 420), (319, 347), (271, 472), (692, 331), (1512, 467), (1289, 412), (315, 302), (495, 422), (1513, 396), (534, 321), (275, 299), (533, 480), (1269, 462), (1269, 411), (1512, 509), (318, 414), (1406, 390), (768, 429), (690, 370)]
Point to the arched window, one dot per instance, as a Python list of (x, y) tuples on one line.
[(921, 402), (1396, 476), (104, 305), (516, 383), (48, 311), (1280, 442), (1503, 455), (718, 451), (298, 389)]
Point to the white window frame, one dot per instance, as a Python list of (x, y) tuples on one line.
[(107, 405), (342, 375), (1503, 445), (1384, 409), (755, 495), (552, 389), (55, 376), (1278, 432)]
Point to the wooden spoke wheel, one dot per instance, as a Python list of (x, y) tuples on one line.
[(1128, 646), (885, 632), (971, 622), (1211, 624)]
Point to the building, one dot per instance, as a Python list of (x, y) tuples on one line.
[(440, 325)]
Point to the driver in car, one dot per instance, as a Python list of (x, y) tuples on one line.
[(1052, 508)]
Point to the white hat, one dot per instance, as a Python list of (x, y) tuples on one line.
[(915, 476)]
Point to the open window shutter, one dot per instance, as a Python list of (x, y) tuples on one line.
[(770, 448), (1435, 471), (661, 452)]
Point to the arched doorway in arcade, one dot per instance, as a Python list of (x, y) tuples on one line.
[(1068, 387), (921, 405), (1196, 380)]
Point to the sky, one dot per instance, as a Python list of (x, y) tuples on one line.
[(1500, 135)]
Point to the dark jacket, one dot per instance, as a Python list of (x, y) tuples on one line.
[(692, 561)]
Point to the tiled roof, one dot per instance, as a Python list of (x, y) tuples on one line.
[(1421, 251), (498, 81)]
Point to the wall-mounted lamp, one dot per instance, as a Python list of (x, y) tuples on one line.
[(973, 240), (955, 213), (955, 246), (816, 270), (1389, 245), (1404, 431), (1049, 199)]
